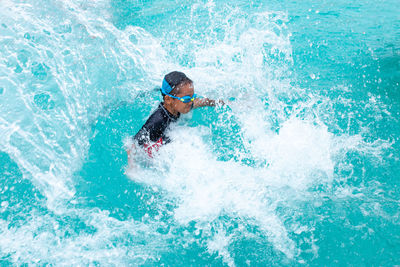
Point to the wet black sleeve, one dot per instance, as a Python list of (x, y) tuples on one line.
[(153, 129)]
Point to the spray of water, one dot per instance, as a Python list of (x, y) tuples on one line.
[(242, 171)]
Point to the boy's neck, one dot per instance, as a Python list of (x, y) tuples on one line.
[(170, 109)]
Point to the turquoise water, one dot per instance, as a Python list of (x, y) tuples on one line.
[(302, 167)]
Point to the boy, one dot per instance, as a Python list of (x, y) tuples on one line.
[(179, 97)]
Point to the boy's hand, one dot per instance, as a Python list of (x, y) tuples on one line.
[(220, 102), (206, 102)]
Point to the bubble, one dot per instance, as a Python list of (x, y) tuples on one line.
[(1, 90)]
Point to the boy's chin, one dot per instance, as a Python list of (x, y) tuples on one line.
[(185, 110)]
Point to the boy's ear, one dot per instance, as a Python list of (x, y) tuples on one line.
[(167, 99)]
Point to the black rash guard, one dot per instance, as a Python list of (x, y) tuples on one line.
[(152, 134)]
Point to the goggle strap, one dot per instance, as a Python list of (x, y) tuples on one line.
[(166, 88)]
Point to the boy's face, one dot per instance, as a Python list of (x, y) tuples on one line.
[(179, 106)]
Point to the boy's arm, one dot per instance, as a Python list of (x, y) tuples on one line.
[(206, 102)]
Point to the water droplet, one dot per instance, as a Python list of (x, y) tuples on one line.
[(133, 39), (65, 28), (27, 36), (23, 56), (43, 101), (18, 69), (49, 54), (40, 71)]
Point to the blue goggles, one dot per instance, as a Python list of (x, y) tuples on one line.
[(184, 99), (166, 89)]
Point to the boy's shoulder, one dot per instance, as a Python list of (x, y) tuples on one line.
[(160, 116), (156, 125)]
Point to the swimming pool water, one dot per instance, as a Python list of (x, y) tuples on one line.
[(301, 168)]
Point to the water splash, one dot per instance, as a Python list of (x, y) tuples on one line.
[(266, 169)]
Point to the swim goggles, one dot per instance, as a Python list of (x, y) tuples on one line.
[(184, 99)]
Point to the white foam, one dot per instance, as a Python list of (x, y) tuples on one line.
[(297, 153), (43, 240), (86, 57), (292, 152), (219, 244), (207, 188), (297, 156), (301, 155)]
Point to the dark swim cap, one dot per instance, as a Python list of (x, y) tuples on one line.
[(172, 80)]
